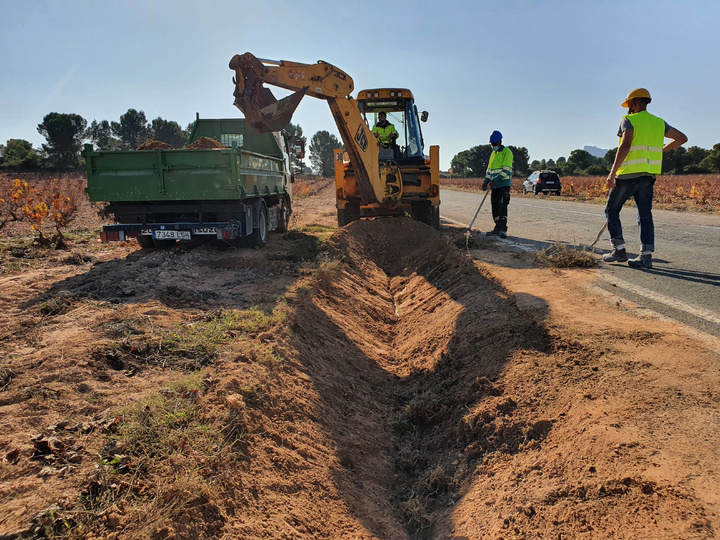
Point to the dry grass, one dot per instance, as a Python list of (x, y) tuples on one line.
[(560, 256), (699, 192), (307, 186)]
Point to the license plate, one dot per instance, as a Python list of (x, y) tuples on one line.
[(205, 230), (171, 235)]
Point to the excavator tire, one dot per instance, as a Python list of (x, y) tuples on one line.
[(347, 215), (435, 213)]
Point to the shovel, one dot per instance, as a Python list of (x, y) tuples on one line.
[(478, 210)]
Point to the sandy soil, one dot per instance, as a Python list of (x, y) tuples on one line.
[(378, 381)]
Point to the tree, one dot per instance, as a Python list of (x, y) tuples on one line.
[(695, 156), (64, 134), (712, 161), (581, 159), (132, 129), (674, 161), (609, 157), (100, 134), (472, 162), (322, 145), (298, 139), (598, 169), (520, 159), (19, 153), (169, 132)]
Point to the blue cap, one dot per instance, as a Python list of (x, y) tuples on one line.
[(495, 136)]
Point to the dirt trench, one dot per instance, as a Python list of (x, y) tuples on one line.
[(406, 341), (406, 389)]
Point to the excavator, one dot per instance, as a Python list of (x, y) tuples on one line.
[(371, 179)]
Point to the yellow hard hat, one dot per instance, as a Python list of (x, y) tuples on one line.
[(637, 93)]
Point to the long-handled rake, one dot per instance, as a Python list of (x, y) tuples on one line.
[(599, 235), (478, 210)]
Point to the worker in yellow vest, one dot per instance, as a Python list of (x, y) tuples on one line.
[(384, 131), (637, 163), (499, 178)]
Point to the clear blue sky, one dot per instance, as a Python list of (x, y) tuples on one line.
[(549, 74)]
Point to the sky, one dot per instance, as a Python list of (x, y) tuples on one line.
[(550, 75)]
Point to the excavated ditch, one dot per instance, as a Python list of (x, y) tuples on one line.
[(406, 341)]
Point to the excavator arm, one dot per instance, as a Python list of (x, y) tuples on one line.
[(264, 112)]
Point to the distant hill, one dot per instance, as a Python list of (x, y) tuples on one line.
[(595, 151)]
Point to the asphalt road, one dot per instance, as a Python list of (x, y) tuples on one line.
[(684, 283)]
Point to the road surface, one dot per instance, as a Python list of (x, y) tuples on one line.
[(685, 281)]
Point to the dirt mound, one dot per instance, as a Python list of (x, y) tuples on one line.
[(151, 144), (205, 143)]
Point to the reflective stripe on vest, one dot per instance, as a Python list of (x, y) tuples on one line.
[(645, 155)]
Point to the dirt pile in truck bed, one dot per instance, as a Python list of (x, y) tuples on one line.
[(151, 144), (205, 143)]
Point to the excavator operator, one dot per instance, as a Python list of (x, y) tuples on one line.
[(384, 131)]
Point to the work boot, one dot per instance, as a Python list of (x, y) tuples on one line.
[(502, 234), (616, 255), (492, 233), (641, 261)]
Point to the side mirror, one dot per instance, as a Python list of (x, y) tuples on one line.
[(424, 116), (300, 151)]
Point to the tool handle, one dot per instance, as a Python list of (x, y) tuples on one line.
[(478, 210)]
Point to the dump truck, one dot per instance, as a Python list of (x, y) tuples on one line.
[(237, 192), (370, 180)]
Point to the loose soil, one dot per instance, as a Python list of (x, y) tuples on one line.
[(381, 381), (205, 143), (152, 144)]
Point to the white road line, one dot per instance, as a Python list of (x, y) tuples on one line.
[(665, 300), (706, 227)]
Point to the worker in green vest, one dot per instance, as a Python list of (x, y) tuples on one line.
[(637, 163), (499, 178), (384, 131)]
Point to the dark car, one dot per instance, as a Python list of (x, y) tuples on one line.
[(542, 182)]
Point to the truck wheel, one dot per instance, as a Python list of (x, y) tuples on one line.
[(145, 241), (284, 220), (258, 238)]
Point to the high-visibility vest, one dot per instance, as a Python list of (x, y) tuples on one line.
[(500, 168), (646, 149), (384, 132)]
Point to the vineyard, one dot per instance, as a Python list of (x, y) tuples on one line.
[(698, 192)]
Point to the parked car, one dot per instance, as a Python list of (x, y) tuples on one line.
[(542, 182)]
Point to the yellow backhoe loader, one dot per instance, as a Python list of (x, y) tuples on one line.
[(371, 179)]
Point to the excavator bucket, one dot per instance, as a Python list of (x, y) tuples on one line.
[(260, 107)]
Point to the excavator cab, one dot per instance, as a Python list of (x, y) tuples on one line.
[(399, 106)]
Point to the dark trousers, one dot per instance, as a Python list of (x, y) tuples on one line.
[(640, 189), (499, 200)]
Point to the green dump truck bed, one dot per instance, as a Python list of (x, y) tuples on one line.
[(159, 196), (254, 164)]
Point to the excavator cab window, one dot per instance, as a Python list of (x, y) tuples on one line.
[(402, 114)]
